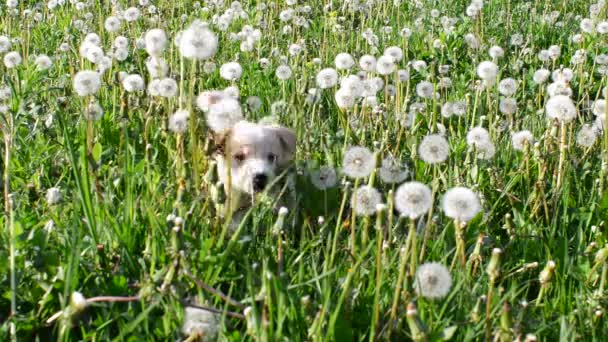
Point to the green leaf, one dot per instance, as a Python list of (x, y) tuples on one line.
[(97, 152)]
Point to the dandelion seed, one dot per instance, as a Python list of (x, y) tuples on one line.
[(413, 199), (178, 122), (487, 71), (461, 203), (496, 52), (5, 44), (43, 62), (131, 14), (157, 67), (198, 42), (395, 53), (78, 302), (154, 87), (344, 99), (507, 105), (478, 136), (155, 40), (433, 280), (344, 61), (283, 72), (86, 82), (367, 63), (167, 87), (586, 136), (133, 83), (201, 323), (358, 162), (385, 65), (392, 171), (223, 114), (324, 178), (254, 103), (599, 108), (561, 108), (486, 151), (231, 71), (507, 87), (94, 112), (434, 149), (425, 89), (365, 199), (520, 139), (12, 59), (53, 196), (112, 24), (403, 75), (327, 78), (232, 91)]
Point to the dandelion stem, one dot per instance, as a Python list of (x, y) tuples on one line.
[(397, 293), (562, 155)]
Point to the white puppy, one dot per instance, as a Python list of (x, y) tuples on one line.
[(251, 159)]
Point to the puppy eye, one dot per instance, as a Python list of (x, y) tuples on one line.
[(239, 157), (272, 157)]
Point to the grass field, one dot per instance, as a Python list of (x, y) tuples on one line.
[(451, 170)]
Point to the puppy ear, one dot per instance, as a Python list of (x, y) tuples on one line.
[(287, 139)]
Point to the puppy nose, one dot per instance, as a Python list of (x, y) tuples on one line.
[(259, 181)]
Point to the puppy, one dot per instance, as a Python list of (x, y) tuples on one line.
[(253, 159)]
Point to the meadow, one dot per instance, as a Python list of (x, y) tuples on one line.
[(450, 170)]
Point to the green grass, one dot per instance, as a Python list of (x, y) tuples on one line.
[(122, 176)]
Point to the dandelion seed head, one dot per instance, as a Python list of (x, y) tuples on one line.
[(157, 67), (223, 114), (93, 111), (344, 61), (364, 200), (133, 83), (392, 171), (198, 42), (367, 63), (461, 203), (561, 108), (324, 177), (327, 78), (586, 136), (434, 149), (53, 196), (178, 122), (12, 59), (358, 162), (231, 71), (520, 139), (167, 87), (433, 280), (507, 86), (283, 72), (155, 41), (112, 24), (478, 136), (413, 199), (395, 53), (43, 62), (425, 90), (385, 65), (487, 71), (199, 322), (87, 82)]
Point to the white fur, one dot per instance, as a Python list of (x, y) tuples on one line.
[(252, 149)]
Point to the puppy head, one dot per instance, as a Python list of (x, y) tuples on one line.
[(252, 155)]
